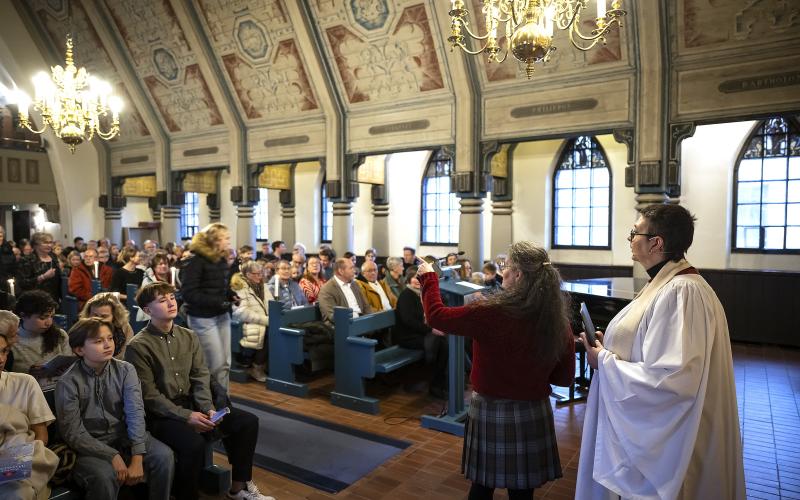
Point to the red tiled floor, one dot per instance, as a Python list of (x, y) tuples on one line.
[(768, 392)]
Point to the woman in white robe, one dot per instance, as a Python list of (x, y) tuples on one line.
[(661, 420)]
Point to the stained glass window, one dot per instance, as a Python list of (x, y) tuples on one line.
[(582, 196), (440, 211), (767, 190)]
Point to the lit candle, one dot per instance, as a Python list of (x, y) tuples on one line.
[(96, 270), (601, 9), (173, 273), (277, 287), (11, 287)]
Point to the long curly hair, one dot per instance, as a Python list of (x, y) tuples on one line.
[(118, 311), (535, 297)]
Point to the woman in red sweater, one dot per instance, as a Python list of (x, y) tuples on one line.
[(522, 343)]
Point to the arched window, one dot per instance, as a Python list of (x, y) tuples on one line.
[(766, 214), (326, 215), (190, 218), (582, 196), (262, 215), (439, 206)]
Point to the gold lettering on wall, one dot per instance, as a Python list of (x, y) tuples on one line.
[(760, 82), (143, 186), (499, 164), (276, 177), (201, 182), (373, 170)]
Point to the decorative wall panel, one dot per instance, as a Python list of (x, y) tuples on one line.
[(58, 18), (727, 24), (383, 50), (166, 63), (256, 45)]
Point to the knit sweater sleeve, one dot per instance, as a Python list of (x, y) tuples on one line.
[(466, 321)]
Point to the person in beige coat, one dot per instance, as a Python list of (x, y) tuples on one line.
[(378, 294), (341, 291), (252, 313)]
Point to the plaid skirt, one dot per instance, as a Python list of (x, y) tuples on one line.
[(510, 444)]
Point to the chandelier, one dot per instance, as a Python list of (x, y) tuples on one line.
[(72, 103), (528, 27)]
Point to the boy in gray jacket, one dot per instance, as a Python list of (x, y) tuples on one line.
[(101, 417)]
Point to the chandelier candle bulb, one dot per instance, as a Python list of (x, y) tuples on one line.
[(601, 9)]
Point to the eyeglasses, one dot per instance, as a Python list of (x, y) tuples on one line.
[(634, 234)]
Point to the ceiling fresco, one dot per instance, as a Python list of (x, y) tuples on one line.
[(257, 47), (59, 17), (384, 50), (166, 64)]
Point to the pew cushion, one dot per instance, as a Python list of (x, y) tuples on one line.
[(396, 357)]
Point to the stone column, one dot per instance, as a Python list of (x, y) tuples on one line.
[(155, 213), (287, 226), (170, 224), (214, 214), (502, 228), (113, 225), (245, 226), (470, 230), (342, 227), (380, 228)]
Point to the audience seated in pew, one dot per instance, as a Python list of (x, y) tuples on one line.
[(394, 275), (101, 417), (80, 279), (127, 273), (342, 292), (289, 292), (39, 340), (179, 407), (411, 331), (312, 280), (106, 306), (251, 312), (24, 417), (377, 293)]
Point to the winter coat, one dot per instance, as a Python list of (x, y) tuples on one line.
[(251, 312), (204, 282)]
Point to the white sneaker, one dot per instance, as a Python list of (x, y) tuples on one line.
[(250, 492)]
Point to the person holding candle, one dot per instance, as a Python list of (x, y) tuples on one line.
[(208, 297), (160, 270), (252, 312), (8, 263), (39, 270), (80, 279), (285, 289)]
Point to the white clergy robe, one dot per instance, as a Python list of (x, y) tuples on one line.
[(661, 420)]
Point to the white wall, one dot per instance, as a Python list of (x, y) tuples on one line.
[(534, 163), (136, 210), (307, 182), (362, 220), (708, 161)]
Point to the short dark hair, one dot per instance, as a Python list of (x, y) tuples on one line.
[(674, 224), (84, 329), (348, 255), (410, 249), (411, 271), (327, 252), (151, 292), (490, 266), (245, 248), (276, 244), (34, 302), (76, 239)]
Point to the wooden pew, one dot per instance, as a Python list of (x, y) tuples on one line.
[(133, 309), (238, 372), (286, 347), (356, 358)]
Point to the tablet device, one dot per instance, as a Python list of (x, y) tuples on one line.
[(588, 326), (217, 416)]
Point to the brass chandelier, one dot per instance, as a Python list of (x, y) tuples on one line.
[(72, 103), (528, 27)]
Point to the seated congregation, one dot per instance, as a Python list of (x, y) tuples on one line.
[(142, 408)]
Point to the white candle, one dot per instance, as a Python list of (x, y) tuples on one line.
[(173, 273), (601, 8), (11, 287), (96, 269), (277, 288)]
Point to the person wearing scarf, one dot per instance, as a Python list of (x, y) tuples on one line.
[(661, 420)]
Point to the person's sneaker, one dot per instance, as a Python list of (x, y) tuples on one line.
[(250, 492), (257, 372)]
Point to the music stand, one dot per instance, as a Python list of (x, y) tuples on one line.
[(453, 421)]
